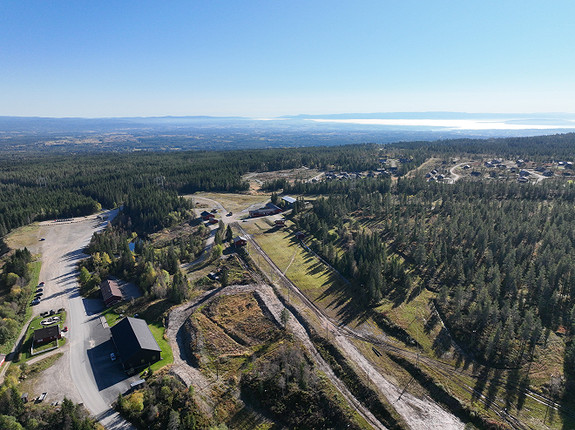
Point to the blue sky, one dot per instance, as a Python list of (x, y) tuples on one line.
[(267, 58)]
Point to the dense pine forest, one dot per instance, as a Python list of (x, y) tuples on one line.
[(35, 187)]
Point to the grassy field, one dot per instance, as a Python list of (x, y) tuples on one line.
[(314, 279), (167, 355), (111, 316), (414, 316), (29, 371)]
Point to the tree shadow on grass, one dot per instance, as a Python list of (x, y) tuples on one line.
[(431, 323), (442, 343), (397, 297), (316, 269), (344, 299), (274, 229), (512, 387), (463, 360), (493, 388), (524, 383), (567, 400), (480, 385)]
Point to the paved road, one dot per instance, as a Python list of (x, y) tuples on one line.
[(86, 374)]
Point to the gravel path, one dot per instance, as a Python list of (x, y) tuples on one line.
[(418, 413)]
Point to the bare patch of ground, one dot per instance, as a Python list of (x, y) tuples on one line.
[(272, 308), (25, 237), (48, 382), (257, 179), (227, 201)]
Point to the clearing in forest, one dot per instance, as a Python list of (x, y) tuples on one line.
[(317, 281), (233, 202)]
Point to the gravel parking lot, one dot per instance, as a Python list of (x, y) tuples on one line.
[(84, 373)]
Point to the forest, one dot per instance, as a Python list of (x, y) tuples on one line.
[(35, 187), (499, 256)]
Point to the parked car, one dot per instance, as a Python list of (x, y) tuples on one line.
[(112, 356), (40, 290), (65, 329), (35, 301), (39, 294), (230, 213), (42, 239), (41, 284)]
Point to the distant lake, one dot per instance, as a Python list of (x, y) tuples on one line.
[(462, 124)]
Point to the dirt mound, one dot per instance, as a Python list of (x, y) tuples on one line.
[(230, 325)]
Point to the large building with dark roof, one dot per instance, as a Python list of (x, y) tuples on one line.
[(135, 344)]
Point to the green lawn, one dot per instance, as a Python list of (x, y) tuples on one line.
[(413, 316), (35, 324), (111, 316), (302, 267), (167, 354)]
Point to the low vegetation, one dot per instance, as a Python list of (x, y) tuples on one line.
[(286, 385), (153, 312), (18, 281), (164, 403), (472, 270), (248, 355), (29, 349)]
